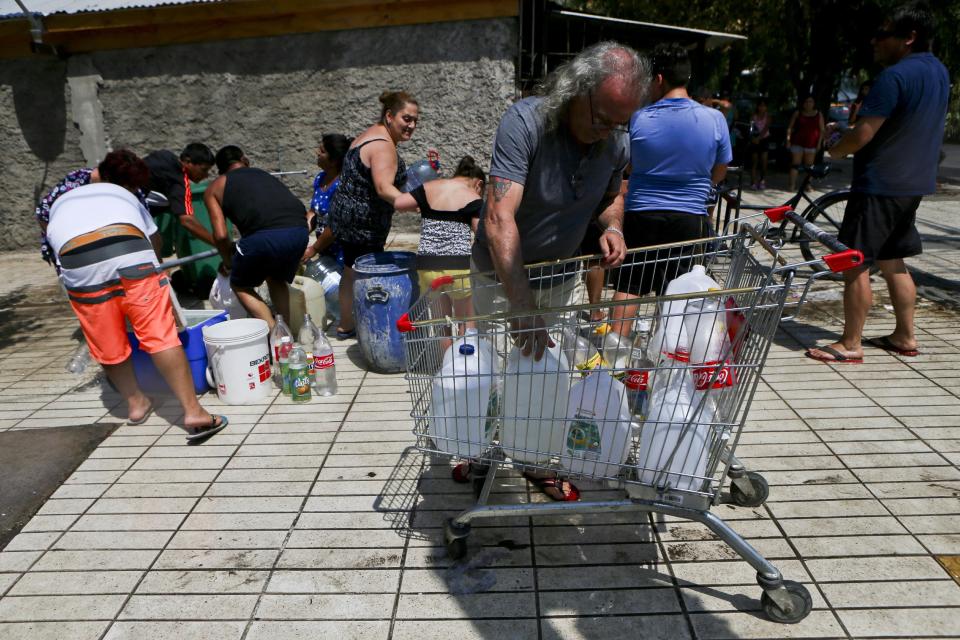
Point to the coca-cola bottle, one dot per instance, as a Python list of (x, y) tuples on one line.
[(324, 368), (307, 338), (637, 380)]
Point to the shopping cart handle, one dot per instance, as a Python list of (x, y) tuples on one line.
[(777, 214), (844, 260), (403, 324), (441, 281)]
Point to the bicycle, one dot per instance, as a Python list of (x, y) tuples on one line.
[(826, 210)]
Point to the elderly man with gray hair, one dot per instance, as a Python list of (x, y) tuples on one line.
[(558, 161)]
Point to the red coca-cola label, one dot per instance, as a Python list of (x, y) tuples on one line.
[(637, 379), (323, 362), (702, 376)]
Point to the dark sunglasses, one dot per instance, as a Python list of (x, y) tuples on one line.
[(883, 34)]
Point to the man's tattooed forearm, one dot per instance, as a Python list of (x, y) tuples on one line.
[(500, 188)]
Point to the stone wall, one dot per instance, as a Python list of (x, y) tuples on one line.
[(272, 96)]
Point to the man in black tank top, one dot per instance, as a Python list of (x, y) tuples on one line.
[(273, 231)]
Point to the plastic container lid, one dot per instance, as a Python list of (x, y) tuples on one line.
[(385, 263), (467, 349)]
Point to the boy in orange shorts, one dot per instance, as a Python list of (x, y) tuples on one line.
[(104, 242)]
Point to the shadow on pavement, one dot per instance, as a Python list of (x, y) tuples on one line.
[(34, 463), (593, 575)]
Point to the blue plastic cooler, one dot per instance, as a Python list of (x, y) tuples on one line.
[(150, 379)]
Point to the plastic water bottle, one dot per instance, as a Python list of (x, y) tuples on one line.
[(461, 399), (638, 378), (535, 405), (307, 338), (299, 375), (579, 352), (280, 329), (327, 271), (283, 359), (324, 368), (79, 360), (598, 426), (614, 348)]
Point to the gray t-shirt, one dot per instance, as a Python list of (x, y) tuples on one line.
[(562, 184)]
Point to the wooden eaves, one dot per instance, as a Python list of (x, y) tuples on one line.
[(205, 22)]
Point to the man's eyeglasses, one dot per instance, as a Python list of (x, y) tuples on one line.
[(599, 121), (883, 34)]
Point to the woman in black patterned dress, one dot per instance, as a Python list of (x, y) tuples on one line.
[(362, 208)]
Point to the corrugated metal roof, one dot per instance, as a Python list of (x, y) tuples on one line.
[(9, 8)]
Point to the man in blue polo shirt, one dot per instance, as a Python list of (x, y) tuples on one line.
[(679, 149), (896, 145)]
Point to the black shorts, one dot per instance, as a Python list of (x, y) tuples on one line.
[(353, 251), (271, 253), (882, 227), (649, 228)]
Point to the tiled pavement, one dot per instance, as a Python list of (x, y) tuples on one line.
[(319, 520)]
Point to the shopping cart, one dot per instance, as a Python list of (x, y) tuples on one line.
[(475, 397)]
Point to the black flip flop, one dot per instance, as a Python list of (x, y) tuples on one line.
[(885, 344), (838, 357), (199, 434)]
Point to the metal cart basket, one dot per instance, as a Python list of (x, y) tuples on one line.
[(646, 394)]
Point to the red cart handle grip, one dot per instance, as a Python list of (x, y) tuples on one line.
[(441, 281), (777, 214), (403, 324), (844, 260)]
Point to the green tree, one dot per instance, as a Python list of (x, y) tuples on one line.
[(796, 46)]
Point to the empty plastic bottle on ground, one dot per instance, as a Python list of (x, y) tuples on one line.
[(307, 338), (461, 398), (79, 360), (597, 436), (283, 359), (299, 374), (535, 405), (324, 367)]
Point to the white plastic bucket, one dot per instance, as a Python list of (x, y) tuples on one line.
[(238, 360)]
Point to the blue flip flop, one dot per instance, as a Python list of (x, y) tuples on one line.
[(346, 335)]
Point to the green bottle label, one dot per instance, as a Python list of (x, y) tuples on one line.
[(300, 384), (493, 412), (583, 437), (285, 375)]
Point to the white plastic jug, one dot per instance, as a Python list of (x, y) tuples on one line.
[(239, 360), (461, 399), (669, 337), (306, 296), (535, 405), (672, 402), (598, 426)]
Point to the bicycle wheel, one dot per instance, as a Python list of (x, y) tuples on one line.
[(827, 213)]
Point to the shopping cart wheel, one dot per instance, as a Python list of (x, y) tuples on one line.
[(800, 604), (755, 495), (455, 539)]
